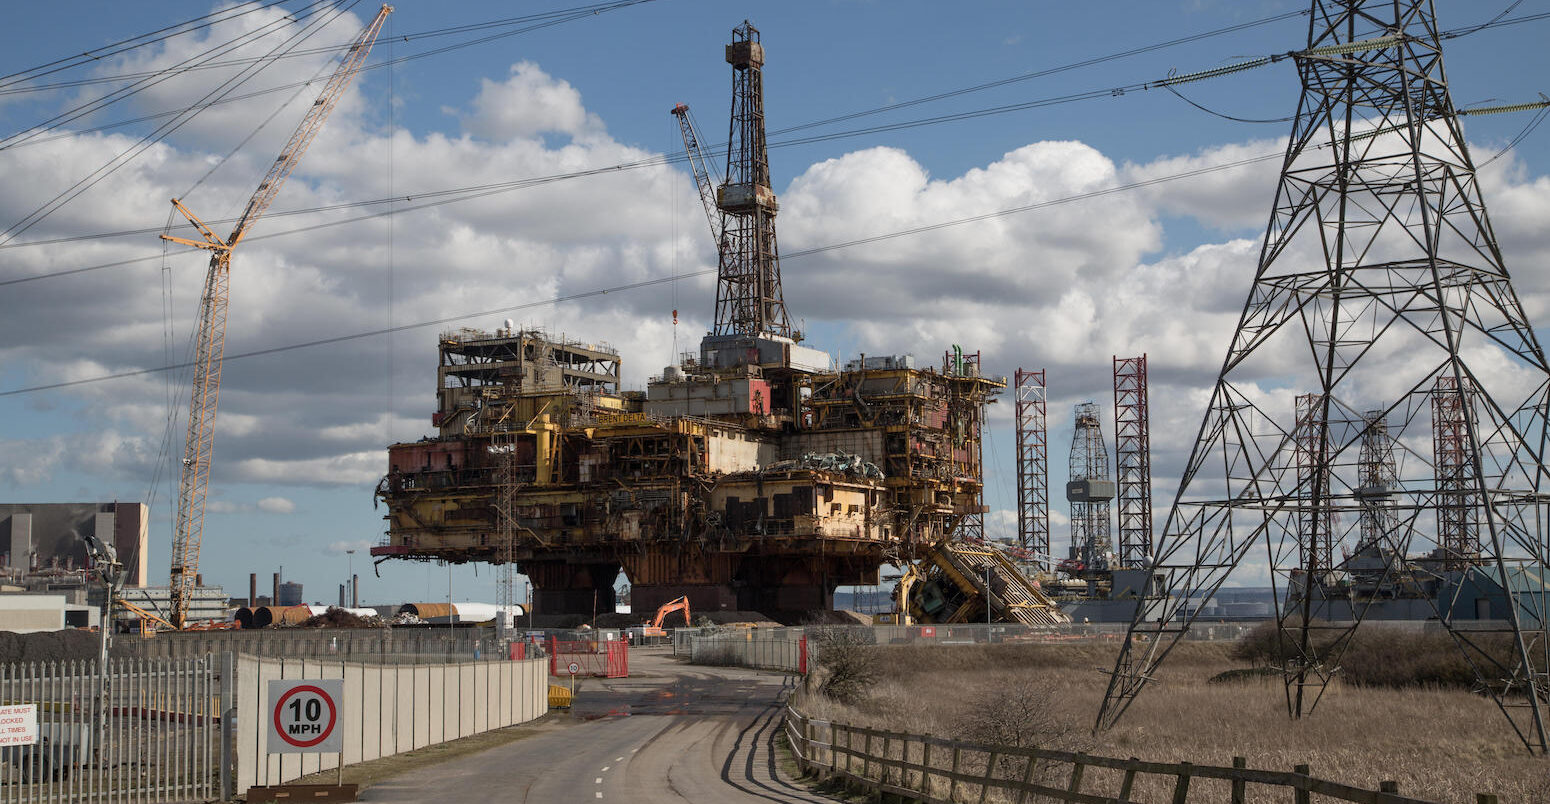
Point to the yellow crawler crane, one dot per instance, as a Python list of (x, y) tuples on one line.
[(956, 582), (211, 339)]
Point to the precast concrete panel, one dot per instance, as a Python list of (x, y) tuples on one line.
[(355, 716), (466, 695), (420, 720), (403, 717)]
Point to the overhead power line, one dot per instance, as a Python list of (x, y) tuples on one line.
[(795, 255)]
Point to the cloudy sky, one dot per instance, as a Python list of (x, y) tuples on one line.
[(531, 160)]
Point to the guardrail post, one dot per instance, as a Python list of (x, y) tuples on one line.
[(1239, 787), (925, 765), (952, 788), (1181, 787), (1388, 787), (1301, 795), (1077, 767), (990, 773), (1022, 795), (887, 755), (1485, 798), (1129, 781), (228, 725)]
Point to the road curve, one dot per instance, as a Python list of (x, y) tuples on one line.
[(670, 733)]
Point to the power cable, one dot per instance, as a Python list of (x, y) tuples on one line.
[(145, 142), (794, 255), (548, 18), (101, 102), (126, 45), (1001, 82)]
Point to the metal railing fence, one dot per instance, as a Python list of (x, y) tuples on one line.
[(783, 648), (370, 645), (147, 730), (940, 771)]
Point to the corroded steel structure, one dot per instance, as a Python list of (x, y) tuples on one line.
[(1090, 491), (1033, 466), (1133, 460), (1379, 282), (755, 475), (760, 487), (748, 295)]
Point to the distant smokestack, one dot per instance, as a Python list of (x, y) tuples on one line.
[(252, 589), (355, 591), (199, 580), (276, 596)]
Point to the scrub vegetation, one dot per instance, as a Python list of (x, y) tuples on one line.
[(1441, 743)]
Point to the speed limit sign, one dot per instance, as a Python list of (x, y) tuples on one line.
[(573, 668), (304, 716)]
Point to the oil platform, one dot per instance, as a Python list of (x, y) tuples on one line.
[(754, 475)]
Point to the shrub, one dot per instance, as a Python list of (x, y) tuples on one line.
[(1379, 656), (846, 659), (1021, 715)]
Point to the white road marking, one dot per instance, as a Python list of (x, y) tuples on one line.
[(599, 780), (618, 759), (599, 795), (606, 767)]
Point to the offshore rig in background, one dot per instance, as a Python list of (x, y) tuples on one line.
[(754, 475)]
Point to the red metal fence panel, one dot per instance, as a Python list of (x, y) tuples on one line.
[(603, 659)]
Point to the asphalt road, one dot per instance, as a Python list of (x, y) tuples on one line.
[(668, 733)]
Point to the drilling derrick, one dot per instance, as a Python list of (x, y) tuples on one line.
[(1133, 460), (1379, 479), (1089, 491), (1316, 518), (1458, 536), (1379, 270), (1033, 467), (748, 295)]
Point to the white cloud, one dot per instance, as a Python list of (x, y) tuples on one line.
[(341, 547), (527, 103), (276, 505)]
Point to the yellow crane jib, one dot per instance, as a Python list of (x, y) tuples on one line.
[(210, 342)]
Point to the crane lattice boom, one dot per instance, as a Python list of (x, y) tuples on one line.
[(211, 340)]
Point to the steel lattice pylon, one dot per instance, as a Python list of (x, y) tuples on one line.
[(1033, 467), (1381, 289), (748, 294), (1133, 461)]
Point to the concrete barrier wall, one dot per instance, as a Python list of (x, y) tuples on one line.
[(381, 645), (388, 709)]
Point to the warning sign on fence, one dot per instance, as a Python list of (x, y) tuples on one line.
[(18, 724), (304, 716)]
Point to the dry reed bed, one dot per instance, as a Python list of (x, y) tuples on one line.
[(1445, 745)]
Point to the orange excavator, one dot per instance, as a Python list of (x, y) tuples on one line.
[(654, 628)]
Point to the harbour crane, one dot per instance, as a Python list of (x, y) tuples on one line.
[(211, 338)]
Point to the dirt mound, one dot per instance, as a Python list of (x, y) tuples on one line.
[(336, 617), (48, 646)]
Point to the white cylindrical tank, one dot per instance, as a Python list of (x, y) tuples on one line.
[(475, 612)]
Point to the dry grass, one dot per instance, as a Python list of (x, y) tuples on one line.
[(1445, 745)]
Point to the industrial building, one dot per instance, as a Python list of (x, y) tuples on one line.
[(755, 474), (45, 548)]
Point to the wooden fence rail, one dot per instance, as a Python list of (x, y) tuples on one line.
[(941, 771)]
